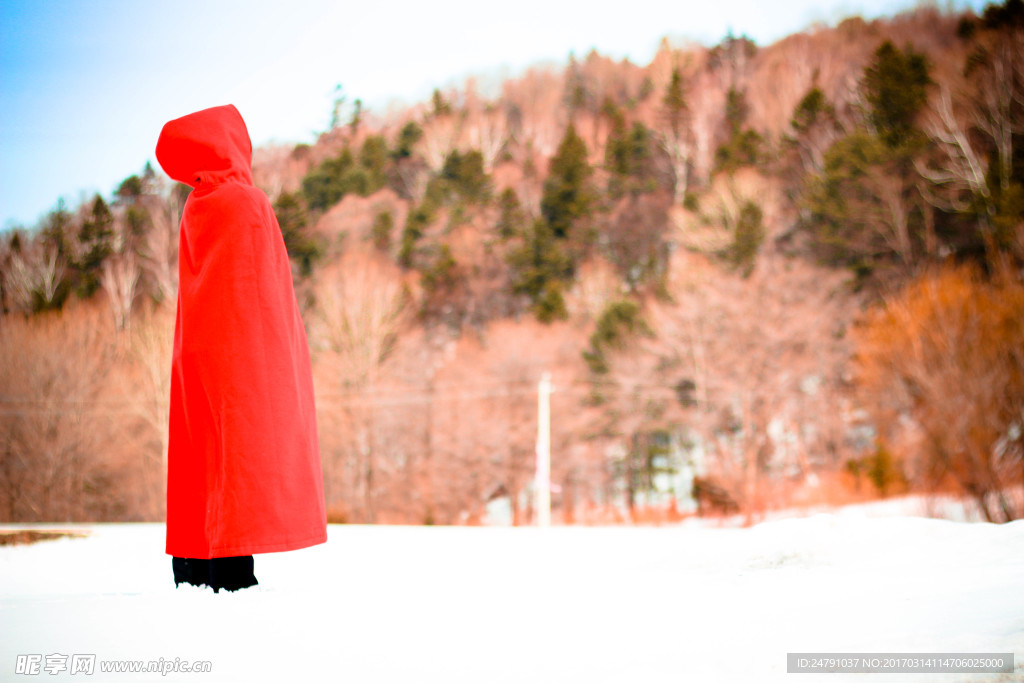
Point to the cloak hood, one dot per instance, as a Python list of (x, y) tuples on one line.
[(207, 146)]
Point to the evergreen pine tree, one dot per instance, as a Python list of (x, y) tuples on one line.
[(539, 266), (407, 139), (617, 147), (744, 145), (383, 224), (674, 108), (373, 157), (510, 214), (291, 217), (442, 107), (567, 194), (55, 229), (813, 108), (129, 194), (896, 87), (96, 237), (464, 173), (619, 321), (747, 237)]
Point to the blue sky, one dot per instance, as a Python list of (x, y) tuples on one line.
[(86, 86)]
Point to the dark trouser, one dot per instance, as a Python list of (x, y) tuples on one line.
[(229, 573)]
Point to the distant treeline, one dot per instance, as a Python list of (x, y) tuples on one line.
[(690, 245)]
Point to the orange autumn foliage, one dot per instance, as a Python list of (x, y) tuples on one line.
[(945, 358)]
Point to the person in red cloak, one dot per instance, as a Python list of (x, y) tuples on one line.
[(243, 462)]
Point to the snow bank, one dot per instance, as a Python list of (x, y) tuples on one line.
[(521, 604)]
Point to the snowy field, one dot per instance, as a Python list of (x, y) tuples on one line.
[(693, 602)]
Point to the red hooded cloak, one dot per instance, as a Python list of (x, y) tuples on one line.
[(243, 464)]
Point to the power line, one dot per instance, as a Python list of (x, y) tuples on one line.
[(364, 396)]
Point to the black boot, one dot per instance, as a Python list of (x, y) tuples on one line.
[(191, 571), (229, 573), (232, 573)]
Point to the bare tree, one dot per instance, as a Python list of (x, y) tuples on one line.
[(361, 306), (159, 251), (440, 135), (706, 114), (485, 128), (969, 118), (997, 95), (152, 339), (629, 403), (120, 279), (756, 358), (534, 107), (54, 426), (34, 276), (677, 136), (961, 167)]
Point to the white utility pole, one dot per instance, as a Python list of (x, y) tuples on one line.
[(542, 481)]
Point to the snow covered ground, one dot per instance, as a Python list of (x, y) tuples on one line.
[(697, 601)]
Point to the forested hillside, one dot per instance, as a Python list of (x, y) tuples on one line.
[(758, 275)]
